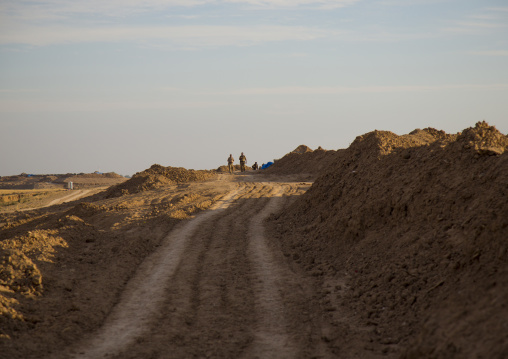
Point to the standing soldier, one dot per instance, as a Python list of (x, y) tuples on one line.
[(243, 161), (230, 163)]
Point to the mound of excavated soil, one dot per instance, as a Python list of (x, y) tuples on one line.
[(302, 149), (158, 176), (303, 160), (417, 227)]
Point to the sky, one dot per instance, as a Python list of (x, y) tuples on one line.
[(119, 85)]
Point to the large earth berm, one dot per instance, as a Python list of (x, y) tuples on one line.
[(416, 226)]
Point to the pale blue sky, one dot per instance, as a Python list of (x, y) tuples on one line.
[(119, 85)]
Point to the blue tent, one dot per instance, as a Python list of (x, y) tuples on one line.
[(266, 165)]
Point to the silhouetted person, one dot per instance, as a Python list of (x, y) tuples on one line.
[(243, 161), (231, 160)]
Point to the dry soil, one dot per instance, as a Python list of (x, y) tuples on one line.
[(398, 249)]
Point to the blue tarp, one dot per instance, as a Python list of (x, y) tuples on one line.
[(266, 165)]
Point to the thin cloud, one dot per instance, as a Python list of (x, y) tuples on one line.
[(172, 89), (321, 4), (59, 9), (481, 24), (21, 106), (108, 8), (298, 54), (483, 17), (18, 90), (189, 17), (490, 19), (191, 36), (490, 53), (335, 90), (473, 27), (410, 2), (387, 37), (503, 9)]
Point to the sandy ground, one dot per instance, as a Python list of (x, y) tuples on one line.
[(50, 198), (73, 195), (69, 197), (214, 288), (208, 284)]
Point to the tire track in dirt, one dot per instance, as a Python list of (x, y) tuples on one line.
[(145, 292), (271, 338), (209, 311), (216, 288)]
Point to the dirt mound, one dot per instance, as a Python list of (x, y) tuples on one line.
[(484, 139), (18, 273), (158, 176), (303, 160), (302, 149), (416, 225)]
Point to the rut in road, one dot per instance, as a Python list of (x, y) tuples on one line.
[(215, 289), (141, 299)]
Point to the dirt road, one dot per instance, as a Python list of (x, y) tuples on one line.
[(64, 198), (73, 195), (216, 287)]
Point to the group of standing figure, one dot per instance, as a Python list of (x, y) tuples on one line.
[(243, 161)]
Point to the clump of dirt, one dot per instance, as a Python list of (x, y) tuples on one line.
[(19, 278), (302, 149), (302, 160), (412, 230), (19, 273), (37, 243), (484, 139), (158, 176)]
